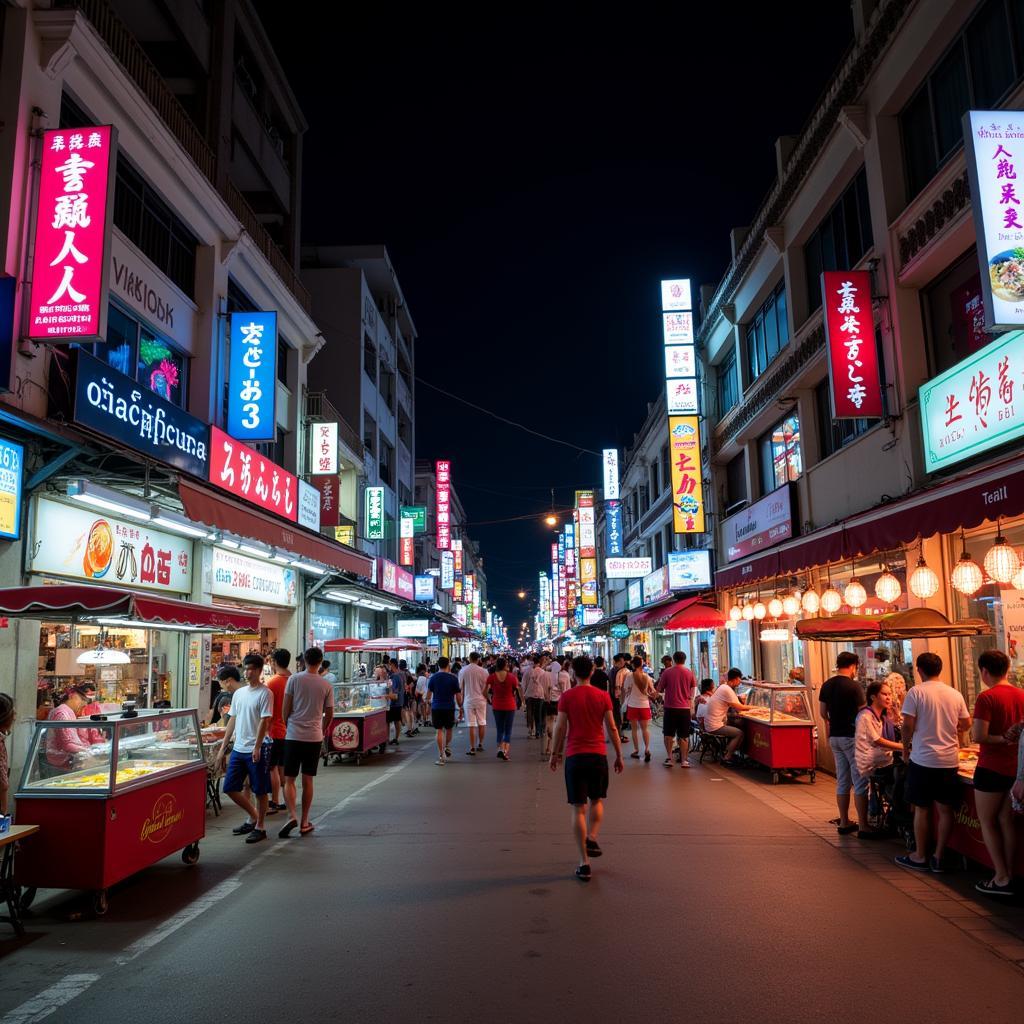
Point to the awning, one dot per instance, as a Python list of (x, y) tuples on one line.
[(224, 514), (697, 616), (601, 625), (80, 601), (659, 614), (963, 502), (349, 645), (912, 624)]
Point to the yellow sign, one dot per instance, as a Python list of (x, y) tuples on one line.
[(166, 814), (687, 475), (345, 535)]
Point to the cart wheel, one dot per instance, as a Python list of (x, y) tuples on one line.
[(190, 855), (775, 778), (99, 902), (813, 776), (27, 896)]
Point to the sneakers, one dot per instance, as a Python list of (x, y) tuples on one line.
[(244, 829), (257, 835), (471, 751), (441, 761), (907, 862), (583, 872), (647, 757), (990, 888), (667, 762), (447, 751), (480, 747), (593, 850)]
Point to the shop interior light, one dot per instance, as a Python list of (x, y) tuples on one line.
[(775, 634), (1001, 561), (888, 588), (810, 602), (967, 576), (308, 567), (229, 543), (735, 614), (855, 594), (140, 624), (730, 623), (250, 550), (92, 494), (101, 654), (176, 525), (923, 582)]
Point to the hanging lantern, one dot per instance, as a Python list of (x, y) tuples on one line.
[(1001, 561), (775, 607), (790, 605), (810, 602), (759, 610), (888, 588), (967, 576), (831, 600), (748, 612), (923, 582), (735, 614), (1018, 580), (855, 594)]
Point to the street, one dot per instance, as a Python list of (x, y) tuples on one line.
[(447, 893)]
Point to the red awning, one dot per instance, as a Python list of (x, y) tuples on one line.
[(659, 614), (697, 616), (73, 601), (963, 502), (203, 507)]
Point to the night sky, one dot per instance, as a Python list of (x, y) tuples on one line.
[(533, 181)]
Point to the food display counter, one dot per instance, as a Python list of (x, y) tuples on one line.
[(779, 730), (965, 837), (113, 794), (360, 722)]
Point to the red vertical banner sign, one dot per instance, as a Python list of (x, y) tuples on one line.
[(329, 487), (853, 369), (68, 295)]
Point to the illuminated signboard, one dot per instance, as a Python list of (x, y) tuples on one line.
[(418, 515), (424, 588), (395, 580), (12, 461), (626, 568), (613, 528), (610, 461), (412, 627), (325, 447), (677, 328), (680, 361), (68, 295), (635, 594), (309, 506), (675, 295), (853, 373), (328, 490), (689, 570), (681, 396), (656, 585), (444, 508), (245, 473), (252, 376), (374, 513), (249, 579), (687, 482), (406, 544), (447, 570)]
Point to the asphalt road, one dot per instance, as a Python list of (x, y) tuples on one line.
[(448, 894)]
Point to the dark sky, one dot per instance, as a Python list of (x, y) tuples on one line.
[(533, 180)]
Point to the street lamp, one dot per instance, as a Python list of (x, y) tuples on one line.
[(551, 520)]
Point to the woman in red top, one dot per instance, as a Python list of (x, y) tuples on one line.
[(998, 708), (502, 687)]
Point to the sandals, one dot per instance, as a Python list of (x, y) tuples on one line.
[(290, 826), (583, 872), (306, 829)]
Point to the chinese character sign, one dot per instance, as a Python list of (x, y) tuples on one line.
[(675, 295), (610, 460), (12, 461), (681, 395), (329, 489), (325, 447), (678, 328), (406, 544), (252, 378), (687, 477), (309, 506), (994, 145), (852, 353), (613, 528), (447, 570), (976, 405), (374, 513), (443, 511), (239, 470), (68, 298), (680, 361)]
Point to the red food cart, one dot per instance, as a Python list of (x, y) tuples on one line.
[(123, 803), (779, 731)]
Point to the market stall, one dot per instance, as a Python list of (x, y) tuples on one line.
[(123, 793), (779, 732)]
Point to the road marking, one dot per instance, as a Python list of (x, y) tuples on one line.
[(43, 1004)]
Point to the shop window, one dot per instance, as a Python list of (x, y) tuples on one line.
[(977, 72), (122, 337), (741, 648), (736, 481), (955, 314), (836, 434), (780, 454), (728, 384), (369, 358), (768, 333), (841, 240)]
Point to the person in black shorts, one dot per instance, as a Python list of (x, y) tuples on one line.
[(444, 692)]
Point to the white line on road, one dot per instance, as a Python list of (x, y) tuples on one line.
[(43, 1004)]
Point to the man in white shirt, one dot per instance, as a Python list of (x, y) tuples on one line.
[(473, 684), (934, 714), (252, 708), (717, 716), (622, 673)]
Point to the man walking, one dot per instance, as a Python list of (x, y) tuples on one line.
[(252, 708), (276, 684), (472, 684), (584, 716), (443, 690), (841, 698), (933, 716), (396, 696), (599, 680), (308, 710), (621, 671), (678, 684)]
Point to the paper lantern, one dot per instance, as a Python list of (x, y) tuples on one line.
[(855, 594), (1001, 561), (967, 576), (1018, 580), (831, 600), (759, 610), (923, 582), (810, 602), (790, 605), (748, 612), (775, 607), (735, 614), (888, 588)]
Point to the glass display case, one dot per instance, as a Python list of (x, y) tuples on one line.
[(777, 703), (360, 696), (779, 730), (105, 754)]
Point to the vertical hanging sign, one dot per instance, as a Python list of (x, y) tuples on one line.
[(374, 513), (325, 447), (853, 373), (406, 543), (444, 509), (252, 376), (68, 294), (687, 477)]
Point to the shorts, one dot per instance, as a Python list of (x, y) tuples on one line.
[(988, 781), (676, 723), (242, 767), (476, 714), (550, 708), (394, 714), (442, 718), (638, 714), (925, 786), (301, 756), (276, 753), (586, 778), (847, 775)]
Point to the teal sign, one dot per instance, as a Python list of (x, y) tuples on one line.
[(620, 631), (418, 515)]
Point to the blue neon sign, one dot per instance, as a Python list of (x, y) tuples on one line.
[(252, 377)]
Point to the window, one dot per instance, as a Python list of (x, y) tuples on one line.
[(767, 333), (728, 384), (978, 70), (282, 360), (122, 337), (666, 469), (655, 491), (369, 434), (780, 454), (387, 386), (659, 551), (387, 463), (841, 239), (955, 314), (369, 358), (836, 434), (405, 429), (736, 480)]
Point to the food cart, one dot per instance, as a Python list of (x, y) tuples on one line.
[(360, 726), (779, 732), (113, 793)]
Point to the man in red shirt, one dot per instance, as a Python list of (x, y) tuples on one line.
[(678, 684), (585, 713), (276, 684)]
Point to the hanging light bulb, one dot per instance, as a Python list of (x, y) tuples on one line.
[(735, 614), (790, 605), (923, 582), (759, 610), (810, 602), (855, 594), (1018, 580), (888, 587), (775, 607), (967, 576), (831, 600), (1001, 561), (748, 612)]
